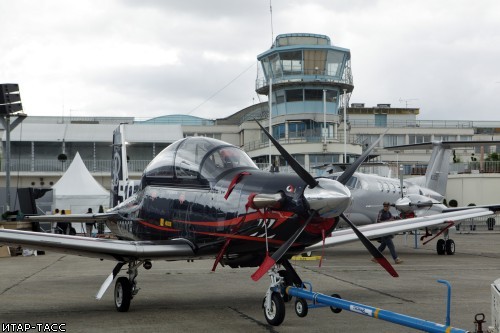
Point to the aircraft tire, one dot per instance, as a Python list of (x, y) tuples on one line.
[(301, 307), (450, 247), (336, 310), (276, 314), (123, 294), (440, 247)]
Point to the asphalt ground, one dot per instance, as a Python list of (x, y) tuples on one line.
[(187, 297)]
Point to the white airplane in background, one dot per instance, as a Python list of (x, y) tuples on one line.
[(414, 197)]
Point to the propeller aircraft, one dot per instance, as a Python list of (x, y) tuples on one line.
[(412, 197), (203, 198)]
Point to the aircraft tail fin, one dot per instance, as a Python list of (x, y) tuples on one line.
[(436, 176), (119, 169)]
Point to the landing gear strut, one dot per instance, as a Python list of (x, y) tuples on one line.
[(274, 305), (276, 296)]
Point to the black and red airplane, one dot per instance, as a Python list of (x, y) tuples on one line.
[(204, 198)]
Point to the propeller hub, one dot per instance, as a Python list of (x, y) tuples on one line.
[(329, 198)]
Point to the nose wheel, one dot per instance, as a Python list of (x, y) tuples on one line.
[(274, 309)]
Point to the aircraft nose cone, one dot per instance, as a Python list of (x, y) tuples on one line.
[(330, 198)]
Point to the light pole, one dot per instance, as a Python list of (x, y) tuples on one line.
[(10, 105), (270, 124), (324, 114), (345, 126)]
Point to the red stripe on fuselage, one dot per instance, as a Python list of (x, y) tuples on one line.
[(279, 216), (218, 234)]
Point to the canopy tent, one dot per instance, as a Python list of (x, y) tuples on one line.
[(77, 190)]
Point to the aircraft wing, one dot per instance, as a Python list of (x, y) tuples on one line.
[(494, 208), (74, 217), (113, 249), (390, 228)]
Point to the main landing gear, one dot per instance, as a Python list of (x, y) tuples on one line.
[(443, 246), (125, 287)]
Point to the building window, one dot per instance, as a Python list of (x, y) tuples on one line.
[(334, 63), (294, 95), (279, 97), (296, 129), (445, 137), (279, 131), (420, 138), (380, 120), (291, 62), (393, 140), (321, 159), (331, 96), (366, 140), (275, 65), (314, 62), (299, 158), (313, 95)]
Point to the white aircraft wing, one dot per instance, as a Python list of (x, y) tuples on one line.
[(393, 227), (97, 247), (73, 217)]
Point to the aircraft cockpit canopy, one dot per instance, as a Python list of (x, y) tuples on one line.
[(195, 160)]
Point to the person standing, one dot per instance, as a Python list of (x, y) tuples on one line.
[(53, 225), (64, 227), (385, 215), (89, 225)]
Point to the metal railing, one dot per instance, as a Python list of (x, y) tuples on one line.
[(253, 145), (369, 123), (28, 165), (413, 168)]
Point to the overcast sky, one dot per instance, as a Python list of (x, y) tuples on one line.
[(147, 58)]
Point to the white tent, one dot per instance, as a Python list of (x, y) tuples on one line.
[(77, 190)]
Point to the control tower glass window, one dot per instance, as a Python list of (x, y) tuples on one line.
[(334, 63), (291, 62), (275, 65), (314, 62), (301, 40)]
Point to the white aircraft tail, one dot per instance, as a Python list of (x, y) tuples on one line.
[(436, 176), (121, 186)]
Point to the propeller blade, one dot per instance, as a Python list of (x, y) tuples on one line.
[(371, 248), (303, 174), (271, 260), (346, 175)]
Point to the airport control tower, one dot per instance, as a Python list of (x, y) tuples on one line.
[(310, 81)]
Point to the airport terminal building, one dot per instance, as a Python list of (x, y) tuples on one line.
[(309, 85)]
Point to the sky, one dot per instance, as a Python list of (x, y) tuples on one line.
[(148, 58)]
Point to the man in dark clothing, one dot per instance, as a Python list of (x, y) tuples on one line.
[(89, 225), (386, 241)]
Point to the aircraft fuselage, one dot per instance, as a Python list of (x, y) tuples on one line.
[(202, 215)]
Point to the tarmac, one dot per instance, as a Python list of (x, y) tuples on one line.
[(187, 297)]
